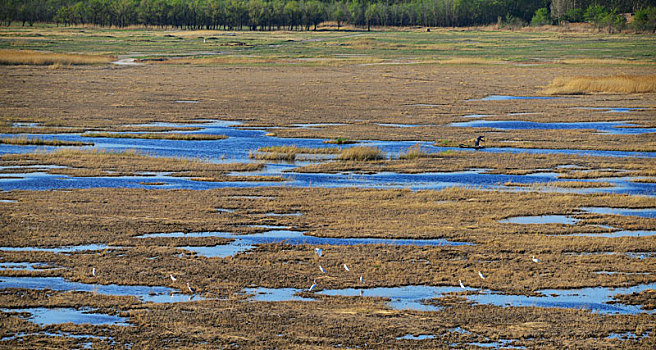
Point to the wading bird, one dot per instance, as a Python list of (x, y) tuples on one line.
[(461, 285), (318, 251), (190, 289), (346, 268), (173, 278), (93, 272), (535, 260), (312, 286), (481, 275), (478, 141), (361, 279), (322, 269)]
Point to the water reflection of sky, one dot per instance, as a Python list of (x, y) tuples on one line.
[(153, 294), (48, 316), (242, 243)]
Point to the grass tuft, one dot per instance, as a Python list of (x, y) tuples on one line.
[(23, 141), (28, 57), (158, 136), (631, 84), (361, 153), (296, 149), (288, 156), (414, 152), (340, 141)]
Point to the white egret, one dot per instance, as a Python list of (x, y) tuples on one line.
[(461, 285), (318, 251), (322, 269), (173, 278), (312, 286), (190, 289), (480, 274), (346, 268), (535, 260), (361, 279), (93, 272)]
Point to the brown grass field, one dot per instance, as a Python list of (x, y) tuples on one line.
[(114, 216), (358, 98)]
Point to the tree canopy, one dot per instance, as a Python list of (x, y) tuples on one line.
[(307, 14)]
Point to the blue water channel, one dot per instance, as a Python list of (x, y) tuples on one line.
[(152, 294), (595, 299), (242, 141), (604, 127)]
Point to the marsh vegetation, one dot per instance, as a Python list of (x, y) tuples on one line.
[(146, 240)]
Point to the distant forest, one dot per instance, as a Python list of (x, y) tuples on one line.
[(307, 14)]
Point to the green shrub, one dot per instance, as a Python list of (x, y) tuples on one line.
[(541, 17), (644, 20), (574, 15)]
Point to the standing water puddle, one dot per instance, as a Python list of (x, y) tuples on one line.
[(17, 266), (541, 219), (144, 293), (508, 98), (593, 298), (645, 213), (46, 316), (611, 109), (606, 127), (622, 233), (416, 337), (244, 243), (66, 249)]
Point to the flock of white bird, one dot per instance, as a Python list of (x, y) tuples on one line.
[(319, 253)]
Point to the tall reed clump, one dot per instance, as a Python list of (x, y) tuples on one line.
[(296, 149), (413, 152), (288, 156), (28, 57), (612, 84), (340, 141), (361, 153)]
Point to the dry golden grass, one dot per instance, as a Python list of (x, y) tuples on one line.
[(603, 61), (23, 140), (630, 84), (361, 153), (296, 149), (28, 57), (469, 60), (278, 155), (413, 152), (79, 162), (561, 184)]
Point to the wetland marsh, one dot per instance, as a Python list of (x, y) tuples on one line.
[(157, 204)]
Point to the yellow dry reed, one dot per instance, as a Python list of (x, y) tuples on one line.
[(28, 57), (631, 84), (361, 153)]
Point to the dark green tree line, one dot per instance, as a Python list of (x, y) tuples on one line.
[(308, 14)]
